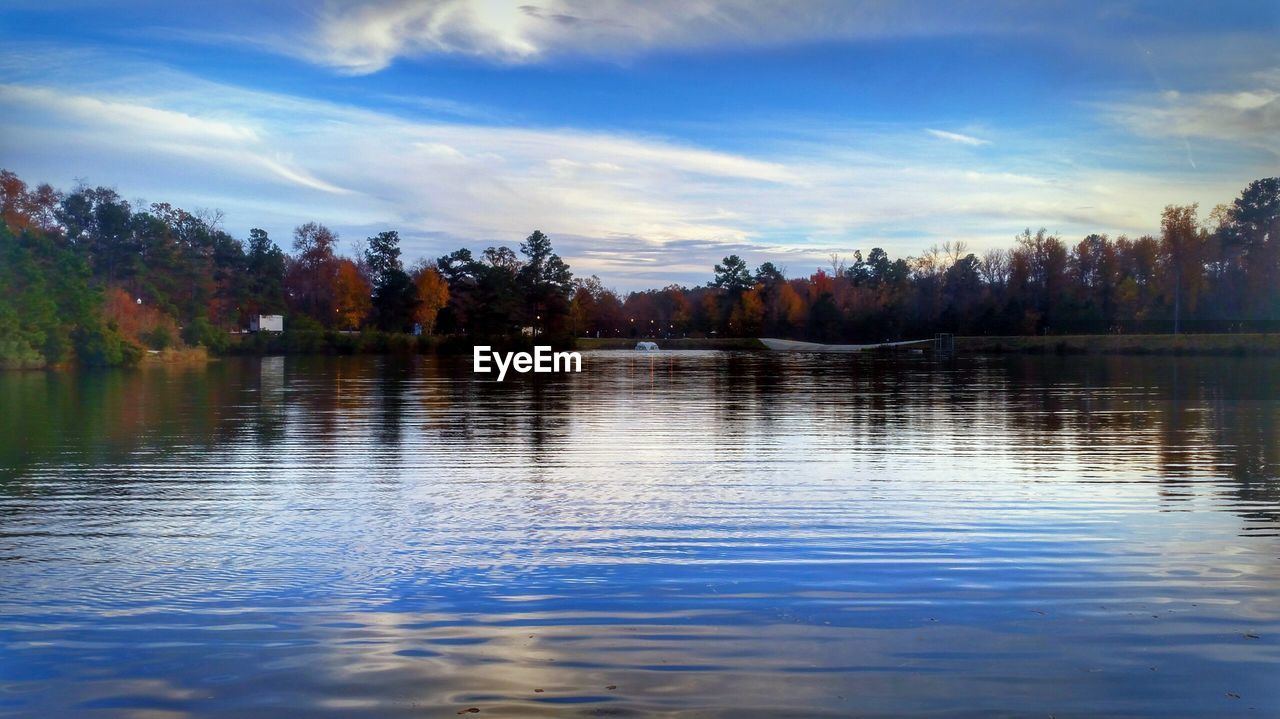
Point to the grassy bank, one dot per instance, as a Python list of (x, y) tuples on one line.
[(720, 343), (329, 342), (322, 342), (1168, 344), (173, 356), (342, 343)]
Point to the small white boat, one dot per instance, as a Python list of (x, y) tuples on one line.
[(647, 346)]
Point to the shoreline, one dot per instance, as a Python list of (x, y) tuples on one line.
[(177, 356), (1183, 345), (681, 343), (1188, 345)]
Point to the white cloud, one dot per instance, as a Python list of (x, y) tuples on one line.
[(1247, 116), (364, 37), (159, 130), (957, 137), (639, 211), (128, 117)]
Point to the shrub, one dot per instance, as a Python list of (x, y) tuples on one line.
[(98, 345), (202, 332), (157, 338)]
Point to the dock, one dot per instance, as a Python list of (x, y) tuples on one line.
[(797, 346)]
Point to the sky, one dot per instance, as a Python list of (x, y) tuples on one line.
[(650, 139)]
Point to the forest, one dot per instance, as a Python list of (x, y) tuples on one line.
[(87, 278)]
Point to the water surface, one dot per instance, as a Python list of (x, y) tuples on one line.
[(679, 534)]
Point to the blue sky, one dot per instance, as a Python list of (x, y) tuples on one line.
[(650, 139)]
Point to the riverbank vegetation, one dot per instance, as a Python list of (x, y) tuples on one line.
[(88, 278)]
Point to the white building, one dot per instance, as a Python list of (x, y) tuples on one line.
[(266, 323)]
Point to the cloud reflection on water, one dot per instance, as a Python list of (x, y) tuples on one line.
[(733, 535)]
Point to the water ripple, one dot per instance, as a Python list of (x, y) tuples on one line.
[(676, 534)]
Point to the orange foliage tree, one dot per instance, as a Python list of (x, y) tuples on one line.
[(352, 295), (142, 324), (747, 318), (433, 295), (22, 208)]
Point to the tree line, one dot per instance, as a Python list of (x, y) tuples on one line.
[(1219, 273), (86, 276)]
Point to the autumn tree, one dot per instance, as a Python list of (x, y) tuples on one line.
[(312, 275), (352, 295), (50, 308), (433, 296), (1044, 258), (1094, 269), (24, 208), (143, 324), (73, 267), (679, 308), (747, 318), (595, 309), (788, 311), (1181, 245)]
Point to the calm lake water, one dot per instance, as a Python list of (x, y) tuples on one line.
[(679, 534)]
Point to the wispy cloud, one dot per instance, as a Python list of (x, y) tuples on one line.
[(638, 210), (160, 131), (957, 137), (1247, 115), (364, 37)]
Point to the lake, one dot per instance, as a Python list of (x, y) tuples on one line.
[(674, 533)]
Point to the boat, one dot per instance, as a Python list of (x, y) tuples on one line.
[(647, 346)]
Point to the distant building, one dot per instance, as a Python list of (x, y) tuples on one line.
[(266, 323)]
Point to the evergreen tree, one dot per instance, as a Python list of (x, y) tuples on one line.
[(733, 276), (395, 297), (265, 271), (546, 284)]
